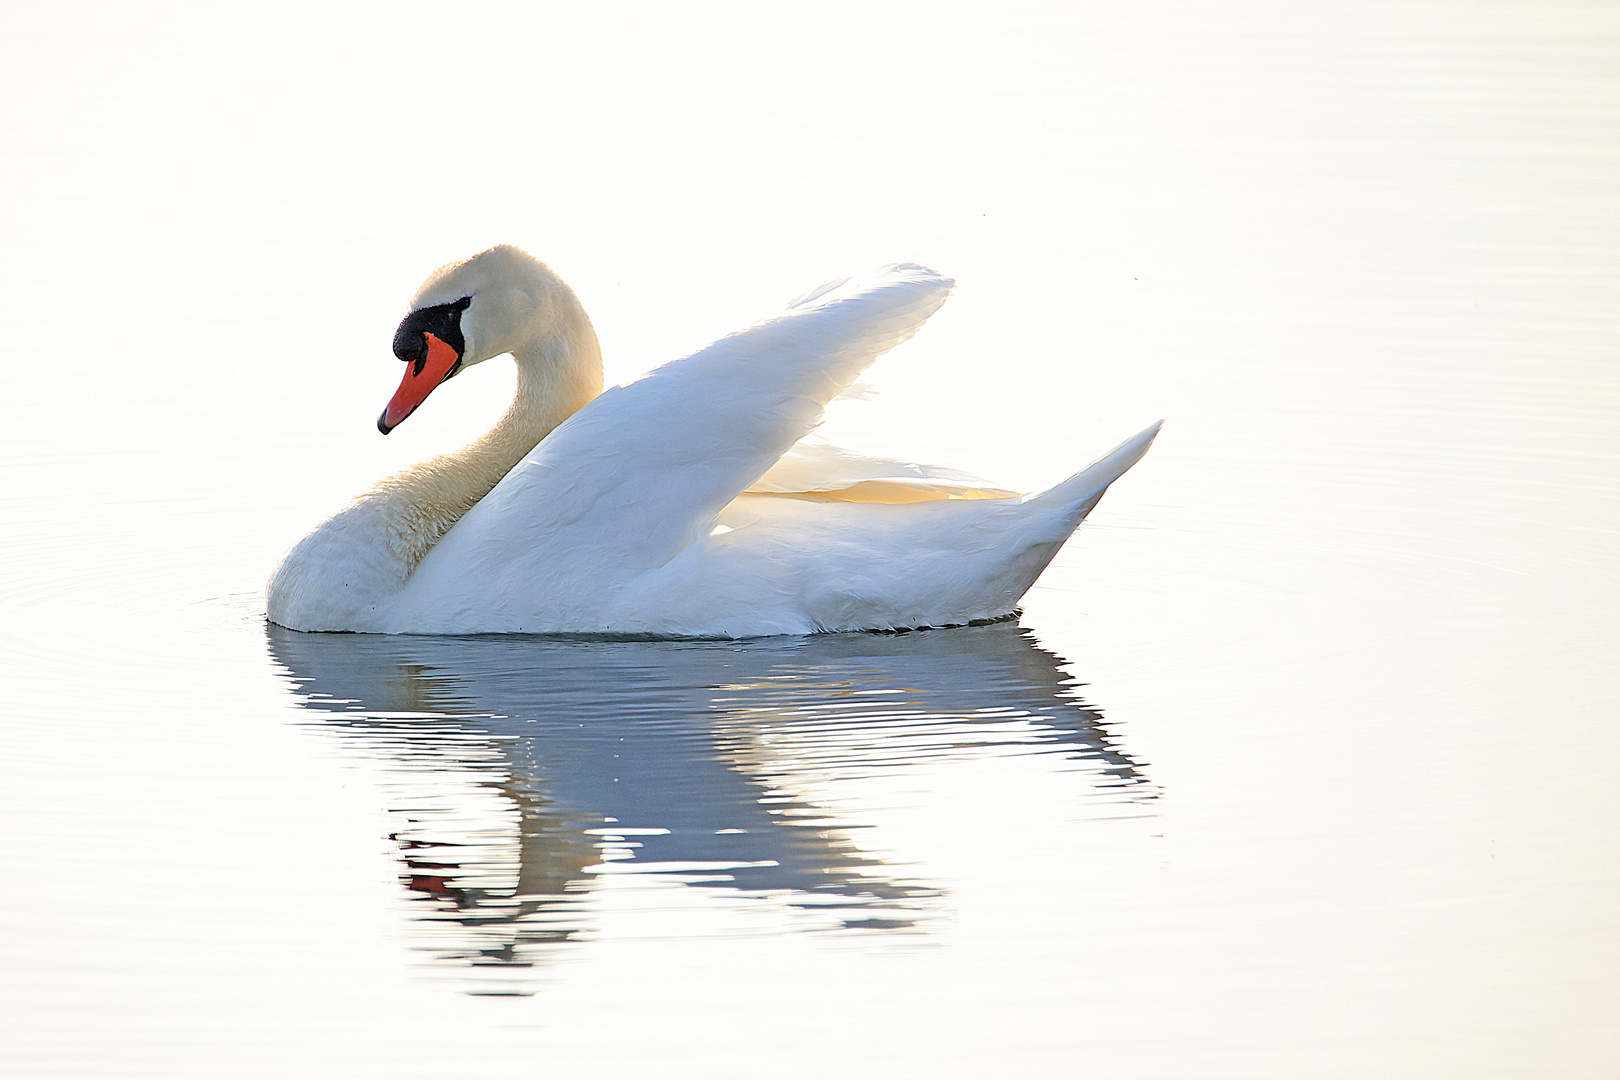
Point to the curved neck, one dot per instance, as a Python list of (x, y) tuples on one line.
[(558, 373)]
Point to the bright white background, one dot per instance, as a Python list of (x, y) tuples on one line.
[(1356, 610)]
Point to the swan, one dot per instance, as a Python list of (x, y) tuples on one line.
[(691, 502)]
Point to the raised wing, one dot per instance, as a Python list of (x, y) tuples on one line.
[(625, 484)]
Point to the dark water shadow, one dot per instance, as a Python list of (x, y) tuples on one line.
[(532, 766)]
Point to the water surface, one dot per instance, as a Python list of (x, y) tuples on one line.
[(531, 770)]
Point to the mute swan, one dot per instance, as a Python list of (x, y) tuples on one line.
[(679, 504)]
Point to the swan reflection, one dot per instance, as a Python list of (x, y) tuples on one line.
[(530, 768)]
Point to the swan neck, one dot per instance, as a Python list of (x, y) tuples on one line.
[(559, 372)]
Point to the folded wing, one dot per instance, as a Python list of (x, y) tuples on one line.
[(815, 468)]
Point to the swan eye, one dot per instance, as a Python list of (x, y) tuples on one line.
[(443, 321)]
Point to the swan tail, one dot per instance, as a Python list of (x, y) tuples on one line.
[(1077, 496), (971, 560), (1059, 510)]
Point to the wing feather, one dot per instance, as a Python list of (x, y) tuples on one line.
[(817, 468)]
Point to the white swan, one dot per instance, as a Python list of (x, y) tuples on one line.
[(678, 504)]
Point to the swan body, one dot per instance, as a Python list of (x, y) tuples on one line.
[(689, 503)]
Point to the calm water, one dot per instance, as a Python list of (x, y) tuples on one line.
[(1300, 762)]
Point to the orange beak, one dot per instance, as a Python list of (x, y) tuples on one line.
[(421, 377)]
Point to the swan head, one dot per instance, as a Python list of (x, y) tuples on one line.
[(466, 313)]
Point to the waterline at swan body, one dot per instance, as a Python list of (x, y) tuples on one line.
[(687, 503)]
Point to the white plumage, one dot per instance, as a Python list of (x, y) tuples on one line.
[(679, 504)]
